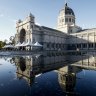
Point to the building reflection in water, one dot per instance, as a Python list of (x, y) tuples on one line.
[(67, 79), (24, 70), (67, 75), (29, 67)]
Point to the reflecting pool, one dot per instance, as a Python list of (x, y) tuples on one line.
[(50, 74)]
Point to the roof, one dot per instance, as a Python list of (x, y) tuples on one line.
[(28, 44), (37, 44), (23, 44), (8, 46), (85, 31), (18, 44), (67, 10), (47, 28), (37, 26)]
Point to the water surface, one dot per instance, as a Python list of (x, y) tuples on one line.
[(39, 75)]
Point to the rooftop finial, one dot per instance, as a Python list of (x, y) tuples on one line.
[(65, 2)]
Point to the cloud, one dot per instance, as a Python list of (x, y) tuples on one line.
[(1, 15), (38, 23), (14, 22)]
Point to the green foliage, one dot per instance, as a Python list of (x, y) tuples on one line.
[(2, 44), (12, 40)]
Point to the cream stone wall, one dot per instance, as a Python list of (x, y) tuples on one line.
[(48, 37), (84, 36), (66, 34)]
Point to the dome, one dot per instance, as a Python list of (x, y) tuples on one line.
[(68, 11), (19, 21), (31, 15)]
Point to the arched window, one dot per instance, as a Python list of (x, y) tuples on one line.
[(22, 35)]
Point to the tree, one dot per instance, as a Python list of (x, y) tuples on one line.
[(2, 44), (12, 39), (5, 41)]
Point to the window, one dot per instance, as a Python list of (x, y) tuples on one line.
[(84, 45), (33, 40), (17, 30), (66, 19), (62, 20), (71, 30), (78, 45), (27, 26), (59, 45), (53, 45), (63, 45), (48, 45), (31, 26), (95, 45), (90, 45), (56, 45), (27, 40), (69, 19), (30, 39), (73, 20)]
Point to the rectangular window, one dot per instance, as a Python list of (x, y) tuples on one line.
[(66, 19), (30, 39), (84, 45), (33, 40), (73, 20), (69, 19), (27, 26), (32, 26), (95, 45), (56, 45), (48, 45), (90, 45), (62, 20)]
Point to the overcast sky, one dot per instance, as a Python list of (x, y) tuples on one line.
[(45, 12)]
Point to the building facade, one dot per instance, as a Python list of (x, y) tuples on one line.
[(66, 21), (67, 35), (29, 32)]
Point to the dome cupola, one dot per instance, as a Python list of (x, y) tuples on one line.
[(68, 10), (66, 19)]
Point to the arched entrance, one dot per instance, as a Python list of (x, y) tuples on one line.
[(22, 64), (22, 35), (22, 38)]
